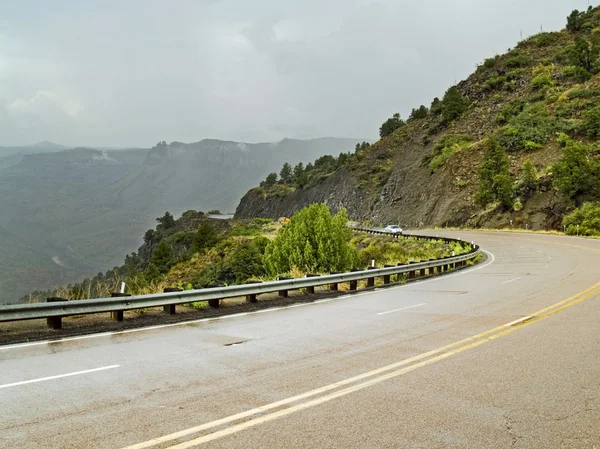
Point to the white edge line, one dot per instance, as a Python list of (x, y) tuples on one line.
[(237, 315), (403, 308), (511, 280), (59, 376)]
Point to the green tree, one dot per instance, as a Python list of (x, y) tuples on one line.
[(591, 124), (391, 125), (286, 173), (166, 221), (436, 106), (205, 237), (584, 53), (300, 178), (454, 104), (162, 257), (313, 241), (270, 180), (575, 21), (575, 173), (494, 177), (420, 113), (529, 180)]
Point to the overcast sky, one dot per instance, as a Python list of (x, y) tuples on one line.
[(134, 72)]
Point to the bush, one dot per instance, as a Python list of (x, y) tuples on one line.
[(417, 114), (494, 177), (545, 39), (270, 180), (391, 125), (162, 257), (518, 61), (591, 123), (214, 212), (312, 241), (517, 205), (587, 217), (578, 73), (584, 53), (446, 147), (533, 124), (575, 21), (575, 174), (454, 105), (541, 81)]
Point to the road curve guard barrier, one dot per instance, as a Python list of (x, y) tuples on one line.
[(54, 310)]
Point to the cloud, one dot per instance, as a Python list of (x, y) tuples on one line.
[(45, 104)]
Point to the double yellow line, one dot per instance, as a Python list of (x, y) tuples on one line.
[(260, 415)]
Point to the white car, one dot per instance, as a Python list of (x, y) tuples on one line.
[(394, 229)]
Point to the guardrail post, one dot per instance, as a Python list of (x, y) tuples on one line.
[(412, 274), (214, 303), (251, 298), (386, 277), (371, 281), (55, 322), (335, 287), (354, 284), (118, 314), (170, 308), (283, 293), (311, 289)]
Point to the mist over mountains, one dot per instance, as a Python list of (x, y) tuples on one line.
[(72, 212)]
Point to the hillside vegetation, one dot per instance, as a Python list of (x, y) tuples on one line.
[(196, 251), (515, 144)]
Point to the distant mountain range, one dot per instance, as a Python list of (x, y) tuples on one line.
[(72, 212)]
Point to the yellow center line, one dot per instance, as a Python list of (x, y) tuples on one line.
[(383, 373)]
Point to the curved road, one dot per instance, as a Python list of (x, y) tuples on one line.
[(506, 354)]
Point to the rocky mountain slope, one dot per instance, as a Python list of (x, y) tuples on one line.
[(73, 213), (535, 102)]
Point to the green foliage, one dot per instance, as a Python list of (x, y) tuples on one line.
[(575, 21), (454, 105), (517, 205), (545, 39), (286, 174), (391, 125), (446, 147), (436, 106), (510, 110), (270, 180), (205, 237), (533, 125), (214, 212), (584, 53), (576, 72), (312, 241), (420, 113), (518, 61), (591, 123), (541, 81), (162, 257), (587, 217), (529, 177), (495, 183), (575, 173), (165, 222)]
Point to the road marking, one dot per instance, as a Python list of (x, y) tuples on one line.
[(511, 280), (377, 376), (59, 376), (237, 315), (403, 308)]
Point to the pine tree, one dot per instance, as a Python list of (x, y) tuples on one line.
[(494, 177), (286, 173)]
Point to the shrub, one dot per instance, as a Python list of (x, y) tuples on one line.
[(391, 125), (214, 212), (578, 73), (584, 53), (436, 106), (591, 123), (313, 241), (446, 147), (575, 173), (587, 217), (518, 61), (541, 81), (162, 257), (517, 205), (270, 180), (545, 39), (494, 177), (533, 124), (575, 21), (509, 111), (417, 114), (454, 104)]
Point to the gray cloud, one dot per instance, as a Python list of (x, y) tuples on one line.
[(136, 72)]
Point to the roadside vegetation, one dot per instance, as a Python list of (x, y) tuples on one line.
[(195, 251)]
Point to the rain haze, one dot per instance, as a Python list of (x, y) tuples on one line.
[(114, 73)]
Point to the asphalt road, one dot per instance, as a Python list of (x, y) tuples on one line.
[(503, 355)]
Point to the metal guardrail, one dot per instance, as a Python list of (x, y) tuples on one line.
[(55, 310)]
